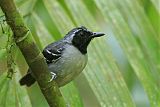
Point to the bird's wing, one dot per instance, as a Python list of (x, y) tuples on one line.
[(53, 52)]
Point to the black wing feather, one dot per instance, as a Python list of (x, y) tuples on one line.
[(53, 51)]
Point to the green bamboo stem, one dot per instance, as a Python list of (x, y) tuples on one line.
[(32, 54)]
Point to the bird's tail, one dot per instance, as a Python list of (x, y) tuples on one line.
[(27, 80)]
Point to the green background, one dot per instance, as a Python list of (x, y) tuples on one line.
[(123, 67)]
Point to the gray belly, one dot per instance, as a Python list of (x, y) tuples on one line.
[(70, 65)]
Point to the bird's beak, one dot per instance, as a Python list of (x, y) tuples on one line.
[(97, 34)]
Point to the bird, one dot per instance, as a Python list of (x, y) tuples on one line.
[(65, 58)]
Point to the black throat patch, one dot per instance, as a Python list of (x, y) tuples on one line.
[(81, 38), (81, 42)]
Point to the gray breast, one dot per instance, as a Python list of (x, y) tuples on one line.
[(71, 63)]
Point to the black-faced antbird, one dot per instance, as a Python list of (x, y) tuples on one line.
[(67, 57)]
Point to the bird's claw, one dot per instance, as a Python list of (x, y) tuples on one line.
[(53, 76)]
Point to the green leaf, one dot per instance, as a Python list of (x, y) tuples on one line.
[(138, 41), (12, 95), (71, 95)]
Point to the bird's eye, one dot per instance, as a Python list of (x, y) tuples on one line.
[(81, 33)]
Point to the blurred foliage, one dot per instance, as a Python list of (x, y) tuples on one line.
[(123, 68)]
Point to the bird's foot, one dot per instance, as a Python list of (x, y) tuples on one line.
[(54, 76)]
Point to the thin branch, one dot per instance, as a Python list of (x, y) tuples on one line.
[(32, 54)]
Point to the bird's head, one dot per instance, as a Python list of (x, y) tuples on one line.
[(80, 37)]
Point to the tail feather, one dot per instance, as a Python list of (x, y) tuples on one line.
[(27, 80)]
